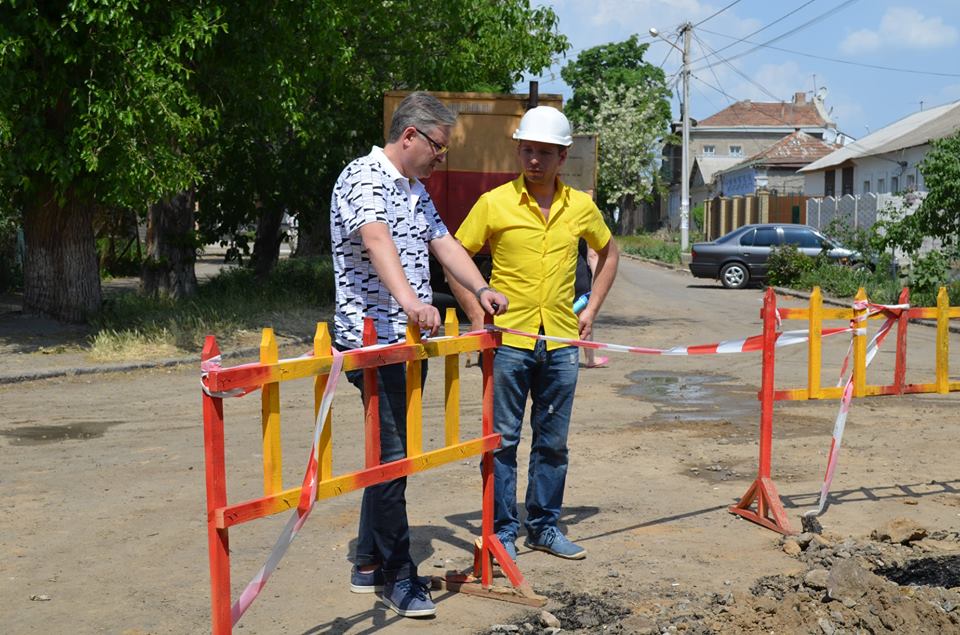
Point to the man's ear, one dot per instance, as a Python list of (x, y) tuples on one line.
[(563, 155)]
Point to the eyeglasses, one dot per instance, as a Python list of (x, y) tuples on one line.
[(438, 149)]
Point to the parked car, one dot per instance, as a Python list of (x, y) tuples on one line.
[(740, 257)]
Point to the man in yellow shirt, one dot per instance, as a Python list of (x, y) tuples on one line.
[(533, 225)]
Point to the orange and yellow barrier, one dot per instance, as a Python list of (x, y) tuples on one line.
[(270, 372), (769, 510)]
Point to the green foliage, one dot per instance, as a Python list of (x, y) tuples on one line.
[(938, 216), (123, 264), (121, 104), (696, 216), (308, 97), (867, 242), (95, 98), (234, 300), (650, 246), (787, 265), (928, 274), (624, 100)]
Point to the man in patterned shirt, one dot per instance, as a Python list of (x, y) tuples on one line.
[(383, 226)]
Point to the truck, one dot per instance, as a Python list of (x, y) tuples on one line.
[(483, 156)]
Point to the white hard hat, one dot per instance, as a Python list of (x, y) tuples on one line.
[(544, 124)]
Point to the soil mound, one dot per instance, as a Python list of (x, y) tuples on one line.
[(847, 586)]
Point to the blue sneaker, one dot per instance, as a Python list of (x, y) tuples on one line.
[(366, 582), (510, 544), (554, 542), (372, 581), (408, 598)]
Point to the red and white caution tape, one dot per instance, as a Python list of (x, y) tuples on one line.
[(308, 497), (746, 345), (841, 420)]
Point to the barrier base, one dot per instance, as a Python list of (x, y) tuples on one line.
[(471, 585), (520, 593), (764, 492)]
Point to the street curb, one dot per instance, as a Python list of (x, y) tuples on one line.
[(120, 368)]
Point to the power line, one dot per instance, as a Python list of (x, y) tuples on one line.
[(741, 74), (763, 28), (710, 17), (840, 61), (796, 29)]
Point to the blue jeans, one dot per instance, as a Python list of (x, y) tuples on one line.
[(550, 378), (383, 536)]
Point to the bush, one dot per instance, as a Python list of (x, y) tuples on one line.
[(649, 246), (787, 265)]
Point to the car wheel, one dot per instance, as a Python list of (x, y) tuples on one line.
[(734, 275)]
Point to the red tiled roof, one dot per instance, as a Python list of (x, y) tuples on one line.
[(749, 114), (797, 149)]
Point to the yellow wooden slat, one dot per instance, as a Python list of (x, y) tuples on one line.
[(270, 419), (943, 341), (414, 398), (321, 348), (451, 383), (815, 344)]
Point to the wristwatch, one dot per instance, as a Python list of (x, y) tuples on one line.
[(481, 290)]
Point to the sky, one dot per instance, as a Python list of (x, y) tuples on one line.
[(815, 38)]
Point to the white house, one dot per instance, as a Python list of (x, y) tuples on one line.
[(885, 161)]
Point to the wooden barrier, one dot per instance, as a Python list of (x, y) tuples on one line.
[(270, 372), (769, 510)]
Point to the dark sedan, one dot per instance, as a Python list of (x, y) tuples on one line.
[(740, 257)]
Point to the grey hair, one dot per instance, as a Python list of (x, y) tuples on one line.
[(422, 111)]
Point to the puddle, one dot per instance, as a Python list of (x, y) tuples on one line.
[(692, 397), (37, 435)]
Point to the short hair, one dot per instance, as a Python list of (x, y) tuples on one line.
[(420, 110)]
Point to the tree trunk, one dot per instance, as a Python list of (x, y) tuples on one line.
[(313, 233), (171, 248), (266, 245), (60, 273), (630, 220)]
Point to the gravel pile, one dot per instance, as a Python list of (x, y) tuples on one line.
[(902, 579)]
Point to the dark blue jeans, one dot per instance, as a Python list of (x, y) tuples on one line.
[(384, 535), (550, 378)]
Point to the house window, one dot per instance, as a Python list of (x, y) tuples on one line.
[(846, 181), (894, 184), (830, 183), (866, 187), (911, 181), (881, 186), (736, 151), (709, 150)]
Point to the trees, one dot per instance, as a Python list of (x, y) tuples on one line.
[(938, 216), (94, 111), (248, 108), (623, 99)]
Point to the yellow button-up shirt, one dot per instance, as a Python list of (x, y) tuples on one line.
[(534, 258)]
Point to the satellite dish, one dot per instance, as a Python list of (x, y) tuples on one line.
[(822, 94)]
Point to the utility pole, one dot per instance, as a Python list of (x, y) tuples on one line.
[(686, 29)]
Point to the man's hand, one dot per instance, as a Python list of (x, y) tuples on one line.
[(585, 323), (425, 316), (492, 301)]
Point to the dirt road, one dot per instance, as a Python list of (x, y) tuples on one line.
[(103, 497)]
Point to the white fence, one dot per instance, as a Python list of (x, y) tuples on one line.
[(864, 210)]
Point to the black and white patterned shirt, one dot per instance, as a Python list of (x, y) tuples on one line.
[(372, 190)]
